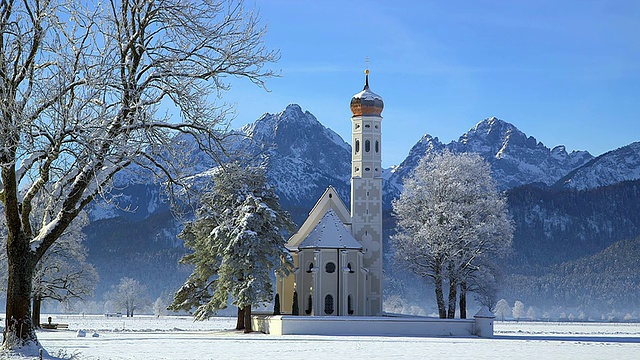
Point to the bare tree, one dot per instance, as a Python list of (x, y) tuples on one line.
[(129, 295), (450, 215), (81, 89), (63, 273)]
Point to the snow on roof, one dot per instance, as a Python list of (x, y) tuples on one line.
[(330, 233)]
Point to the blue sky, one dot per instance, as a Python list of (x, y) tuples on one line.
[(566, 72)]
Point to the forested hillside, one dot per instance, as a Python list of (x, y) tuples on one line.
[(607, 282)]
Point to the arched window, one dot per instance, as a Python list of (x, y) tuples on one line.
[(328, 304), (330, 268), (377, 146), (367, 145), (350, 310), (310, 268), (357, 146), (350, 268)]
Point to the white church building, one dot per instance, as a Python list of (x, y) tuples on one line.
[(338, 253)]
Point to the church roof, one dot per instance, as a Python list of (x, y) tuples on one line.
[(330, 233)]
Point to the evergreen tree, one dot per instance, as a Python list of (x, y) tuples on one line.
[(237, 240)]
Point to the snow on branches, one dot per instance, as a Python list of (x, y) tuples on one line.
[(451, 220)]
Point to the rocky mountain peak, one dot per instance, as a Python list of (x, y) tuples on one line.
[(516, 158), (622, 164)]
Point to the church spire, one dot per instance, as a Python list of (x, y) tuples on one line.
[(366, 102)]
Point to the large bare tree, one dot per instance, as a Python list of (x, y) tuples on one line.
[(81, 90)]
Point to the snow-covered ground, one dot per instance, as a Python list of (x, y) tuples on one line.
[(173, 338)]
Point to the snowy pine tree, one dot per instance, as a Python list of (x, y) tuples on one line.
[(238, 240)]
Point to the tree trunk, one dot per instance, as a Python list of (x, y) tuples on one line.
[(453, 288), (240, 321), (463, 300), (19, 330), (442, 312), (247, 319), (35, 316)]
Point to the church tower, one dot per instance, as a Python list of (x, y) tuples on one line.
[(366, 190)]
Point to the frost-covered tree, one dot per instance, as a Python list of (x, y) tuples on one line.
[(159, 307), (129, 295), (450, 215), (531, 313), (81, 85), (237, 241), (518, 310), (63, 274), (503, 310)]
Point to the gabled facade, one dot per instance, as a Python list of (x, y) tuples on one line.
[(337, 253)]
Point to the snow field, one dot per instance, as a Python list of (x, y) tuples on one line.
[(147, 337)]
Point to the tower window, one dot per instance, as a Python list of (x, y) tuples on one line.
[(330, 268), (350, 305), (310, 268), (367, 169), (367, 145), (367, 126), (377, 146), (350, 268), (328, 304), (357, 146)]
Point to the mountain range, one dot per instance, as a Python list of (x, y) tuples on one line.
[(566, 206)]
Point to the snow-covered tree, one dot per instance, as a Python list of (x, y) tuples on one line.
[(450, 216), (518, 310), (237, 241), (503, 310), (81, 85), (159, 307), (129, 295), (63, 273), (531, 313)]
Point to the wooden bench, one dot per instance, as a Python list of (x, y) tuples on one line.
[(54, 326)]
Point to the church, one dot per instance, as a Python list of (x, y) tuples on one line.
[(337, 252)]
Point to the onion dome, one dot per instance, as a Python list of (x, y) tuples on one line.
[(366, 102)]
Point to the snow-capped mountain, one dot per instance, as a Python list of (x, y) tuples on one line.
[(609, 168), (302, 156), (516, 159)]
